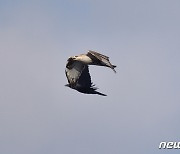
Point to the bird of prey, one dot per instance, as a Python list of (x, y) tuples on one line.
[(77, 71)]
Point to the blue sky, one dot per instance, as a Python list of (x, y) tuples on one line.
[(39, 115)]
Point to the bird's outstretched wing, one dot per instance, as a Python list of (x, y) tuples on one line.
[(104, 60), (79, 78), (85, 78), (85, 85)]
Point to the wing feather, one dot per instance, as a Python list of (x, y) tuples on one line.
[(98, 55), (84, 80), (104, 60)]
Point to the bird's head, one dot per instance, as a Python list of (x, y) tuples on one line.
[(70, 61), (73, 58)]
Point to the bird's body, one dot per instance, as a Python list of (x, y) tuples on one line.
[(77, 71), (84, 59)]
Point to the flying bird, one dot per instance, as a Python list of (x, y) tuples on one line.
[(77, 71)]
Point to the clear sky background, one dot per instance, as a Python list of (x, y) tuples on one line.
[(39, 115)]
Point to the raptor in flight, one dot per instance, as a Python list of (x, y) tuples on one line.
[(77, 71)]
